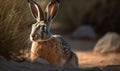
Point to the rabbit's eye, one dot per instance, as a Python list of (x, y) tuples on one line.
[(43, 27)]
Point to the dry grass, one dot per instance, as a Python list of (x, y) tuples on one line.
[(15, 21)]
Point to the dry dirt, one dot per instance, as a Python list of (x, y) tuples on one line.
[(86, 56)]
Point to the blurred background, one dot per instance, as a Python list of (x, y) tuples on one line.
[(81, 22)]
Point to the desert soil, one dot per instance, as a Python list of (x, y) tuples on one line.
[(86, 56)]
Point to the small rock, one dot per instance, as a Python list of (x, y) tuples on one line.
[(84, 32), (108, 43)]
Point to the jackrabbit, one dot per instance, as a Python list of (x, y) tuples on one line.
[(46, 47)]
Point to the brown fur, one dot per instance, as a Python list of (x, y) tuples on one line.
[(48, 51), (51, 52)]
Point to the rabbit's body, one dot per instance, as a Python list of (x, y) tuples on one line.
[(48, 48), (53, 51)]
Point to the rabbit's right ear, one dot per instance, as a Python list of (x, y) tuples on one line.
[(36, 10), (51, 9)]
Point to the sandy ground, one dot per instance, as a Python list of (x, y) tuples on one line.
[(89, 59), (86, 56)]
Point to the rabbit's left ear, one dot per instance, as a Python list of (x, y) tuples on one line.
[(36, 10), (51, 9)]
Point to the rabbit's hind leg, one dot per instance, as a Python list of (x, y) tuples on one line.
[(72, 62)]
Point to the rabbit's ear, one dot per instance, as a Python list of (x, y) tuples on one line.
[(36, 10), (51, 9)]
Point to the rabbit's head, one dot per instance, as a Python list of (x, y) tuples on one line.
[(41, 29)]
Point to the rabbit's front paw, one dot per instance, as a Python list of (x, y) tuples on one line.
[(41, 60)]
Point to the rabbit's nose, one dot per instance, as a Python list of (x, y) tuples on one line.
[(34, 36)]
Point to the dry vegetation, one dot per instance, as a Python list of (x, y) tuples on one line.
[(14, 26)]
